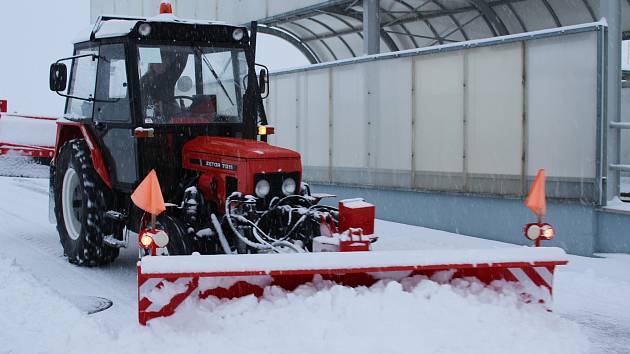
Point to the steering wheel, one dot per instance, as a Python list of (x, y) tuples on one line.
[(177, 98)]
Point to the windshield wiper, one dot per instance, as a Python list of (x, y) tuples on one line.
[(214, 73)]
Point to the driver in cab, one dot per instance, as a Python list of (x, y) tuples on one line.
[(158, 87)]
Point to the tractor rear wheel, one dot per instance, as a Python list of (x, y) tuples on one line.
[(80, 207)]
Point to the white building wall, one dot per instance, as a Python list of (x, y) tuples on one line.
[(480, 119)]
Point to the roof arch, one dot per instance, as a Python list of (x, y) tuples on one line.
[(333, 30)]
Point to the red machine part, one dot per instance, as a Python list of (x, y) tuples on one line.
[(219, 157), (538, 231), (352, 240), (29, 150), (67, 130), (356, 214), (535, 277)]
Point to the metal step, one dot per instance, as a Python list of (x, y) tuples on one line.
[(111, 241)]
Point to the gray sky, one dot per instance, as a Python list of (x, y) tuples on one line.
[(36, 33)]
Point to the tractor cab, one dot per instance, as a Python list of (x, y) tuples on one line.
[(145, 86), (181, 98)]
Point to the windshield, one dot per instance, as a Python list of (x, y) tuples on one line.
[(191, 85)]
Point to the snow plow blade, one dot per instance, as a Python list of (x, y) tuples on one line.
[(165, 282), (30, 136)]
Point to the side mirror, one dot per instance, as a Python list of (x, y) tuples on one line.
[(58, 77), (263, 82)]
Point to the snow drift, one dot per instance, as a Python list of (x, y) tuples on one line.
[(415, 315)]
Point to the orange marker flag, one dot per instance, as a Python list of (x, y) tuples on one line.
[(148, 195), (536, 199)]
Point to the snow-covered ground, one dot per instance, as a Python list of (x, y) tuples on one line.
[(44, 300)]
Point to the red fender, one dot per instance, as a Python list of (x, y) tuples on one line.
[(67, 130)]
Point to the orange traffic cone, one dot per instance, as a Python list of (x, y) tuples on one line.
[(148, 195), (536, 199)]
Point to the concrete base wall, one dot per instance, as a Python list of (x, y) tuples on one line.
[(580, 228), (613, 232)]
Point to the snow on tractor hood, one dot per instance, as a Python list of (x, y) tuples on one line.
[(238, 148)]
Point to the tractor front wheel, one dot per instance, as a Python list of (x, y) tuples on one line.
[(80, 207)]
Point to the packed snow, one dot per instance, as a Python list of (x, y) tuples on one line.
[(334, 260), (617, 204), (416, 315), (21, 166), (43, 303)]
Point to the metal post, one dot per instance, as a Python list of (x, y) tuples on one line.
[(371, 27), (611, 10)]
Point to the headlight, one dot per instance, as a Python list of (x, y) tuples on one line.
[(262, 188), (288, 186), (144, 29), (146, 240), (160, 238), (532, 232), (547, 231), (238, 34)]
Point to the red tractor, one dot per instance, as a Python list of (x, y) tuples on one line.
[(181, 98)]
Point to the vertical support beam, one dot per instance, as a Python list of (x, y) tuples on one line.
[(331, 131), (611, 10), (465, 123), (525, 137), (413, 121), (371, 27)]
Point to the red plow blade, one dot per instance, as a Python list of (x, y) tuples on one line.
[(30, 136), (165, 282)]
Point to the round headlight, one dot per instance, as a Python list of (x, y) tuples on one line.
[(146, 240), (144, 29), (160, 238), (262, 188), (238, 34), (533, 232), (289, 186), (547, 231)]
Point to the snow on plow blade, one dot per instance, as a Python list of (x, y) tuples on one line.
[(165, 282), (27, 135)]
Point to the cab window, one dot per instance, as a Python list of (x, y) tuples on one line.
[(82, 84), (112, 93)]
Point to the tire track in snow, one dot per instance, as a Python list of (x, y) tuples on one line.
[(34, 243)]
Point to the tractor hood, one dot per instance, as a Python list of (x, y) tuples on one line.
[(237, 148)]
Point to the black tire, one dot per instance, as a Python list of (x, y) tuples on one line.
[(82, 241), (179, 244)]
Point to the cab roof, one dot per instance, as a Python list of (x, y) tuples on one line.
[(118, 26)]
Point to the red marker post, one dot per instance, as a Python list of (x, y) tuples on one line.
[(537, 203), (148, 197)]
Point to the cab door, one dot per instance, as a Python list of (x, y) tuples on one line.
[(112, 117)]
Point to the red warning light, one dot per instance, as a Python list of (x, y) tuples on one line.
[(166, 8)]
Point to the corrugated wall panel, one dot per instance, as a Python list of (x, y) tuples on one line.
[(470, 117), (389, 86), (349, 125), (494, 119), (439, 117), (562, 80)]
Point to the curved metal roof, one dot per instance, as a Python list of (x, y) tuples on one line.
[(333, 30)]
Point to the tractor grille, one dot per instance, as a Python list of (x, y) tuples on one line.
[(275, 181)]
